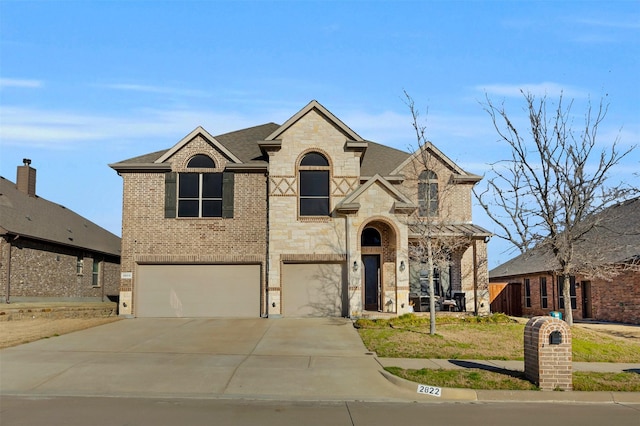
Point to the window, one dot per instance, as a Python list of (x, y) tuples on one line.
[(428, 194), (527, 293), (95, 277), (544, 303), (370, 238), (314, 185), (419, 280), (572, 292), (198, 193)]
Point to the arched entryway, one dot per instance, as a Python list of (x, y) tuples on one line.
[(378, 250)]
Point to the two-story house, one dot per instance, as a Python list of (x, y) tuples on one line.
[(301, 219)]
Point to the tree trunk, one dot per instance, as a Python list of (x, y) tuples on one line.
[(432, 299), (566, 294)]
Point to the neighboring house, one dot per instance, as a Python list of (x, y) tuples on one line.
[(48, 252), (300, 219), (528, 284)]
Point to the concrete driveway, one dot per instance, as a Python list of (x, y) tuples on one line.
[(253, 358)]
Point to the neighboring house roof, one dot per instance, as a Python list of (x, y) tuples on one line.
[(619, 223), (40, 219)]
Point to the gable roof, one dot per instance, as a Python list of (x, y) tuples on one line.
[(242, 144), (40, 219), (381, 159), (461, 174), (402, 200), (318, 107), (195, 132), (619, 223)]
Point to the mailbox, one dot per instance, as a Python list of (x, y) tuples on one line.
[(547, 353)]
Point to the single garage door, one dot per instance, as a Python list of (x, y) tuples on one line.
[(314, 289), (198, 291)]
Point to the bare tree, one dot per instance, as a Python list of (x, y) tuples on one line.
[(549, 193), (432, 242)]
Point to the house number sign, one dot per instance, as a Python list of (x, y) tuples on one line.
[(126, 275), (430, 390)]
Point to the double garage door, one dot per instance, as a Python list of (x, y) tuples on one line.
[(192, 291)]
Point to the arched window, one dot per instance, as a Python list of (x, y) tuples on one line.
[(313, 174), (428, 194), (201, 161), (200, 194), (370, 238)]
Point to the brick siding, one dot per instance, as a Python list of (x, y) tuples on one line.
[(49, 271)]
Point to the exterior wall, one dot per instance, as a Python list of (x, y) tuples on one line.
[(47, 271), (149, 237), (375, 209), (455, 206), (618, 300), (318, 238), (455, 200)]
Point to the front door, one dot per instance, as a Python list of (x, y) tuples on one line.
[(371, 282)]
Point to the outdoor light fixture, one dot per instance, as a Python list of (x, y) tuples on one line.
[(402, 266), (355, 266)]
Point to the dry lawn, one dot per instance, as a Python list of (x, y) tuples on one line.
[(13, 333)]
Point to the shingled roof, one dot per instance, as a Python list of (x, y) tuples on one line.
[(619, 223), (39, 219)]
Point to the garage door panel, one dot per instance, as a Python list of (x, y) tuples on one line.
[(198, 291), (314, 290)]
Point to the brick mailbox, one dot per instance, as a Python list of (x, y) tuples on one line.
[(547, 353)]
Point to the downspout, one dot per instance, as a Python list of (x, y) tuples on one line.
[(347, 297), (475, 279), (8, 273), (266, 262)]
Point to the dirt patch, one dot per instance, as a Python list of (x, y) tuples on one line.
[(13, 333)]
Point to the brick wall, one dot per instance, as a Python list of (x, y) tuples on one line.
[(617, 300), (148, 235), (42, 270)]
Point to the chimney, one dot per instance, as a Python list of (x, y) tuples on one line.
[(26, 180)]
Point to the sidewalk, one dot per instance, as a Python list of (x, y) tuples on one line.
[(453, 394), (497, 365)]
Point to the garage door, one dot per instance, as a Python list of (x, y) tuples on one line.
[(198, 291), (314, 289)]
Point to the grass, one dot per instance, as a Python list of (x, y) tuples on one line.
[(515, 380), (493, 337)]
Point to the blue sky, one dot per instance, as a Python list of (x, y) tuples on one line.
[(88, 83)]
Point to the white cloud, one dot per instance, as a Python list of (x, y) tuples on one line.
[(29, 127), (538, 89), (20, 83), (156, 89)]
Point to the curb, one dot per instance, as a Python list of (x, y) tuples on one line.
[(448, 394), (470, 395)]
